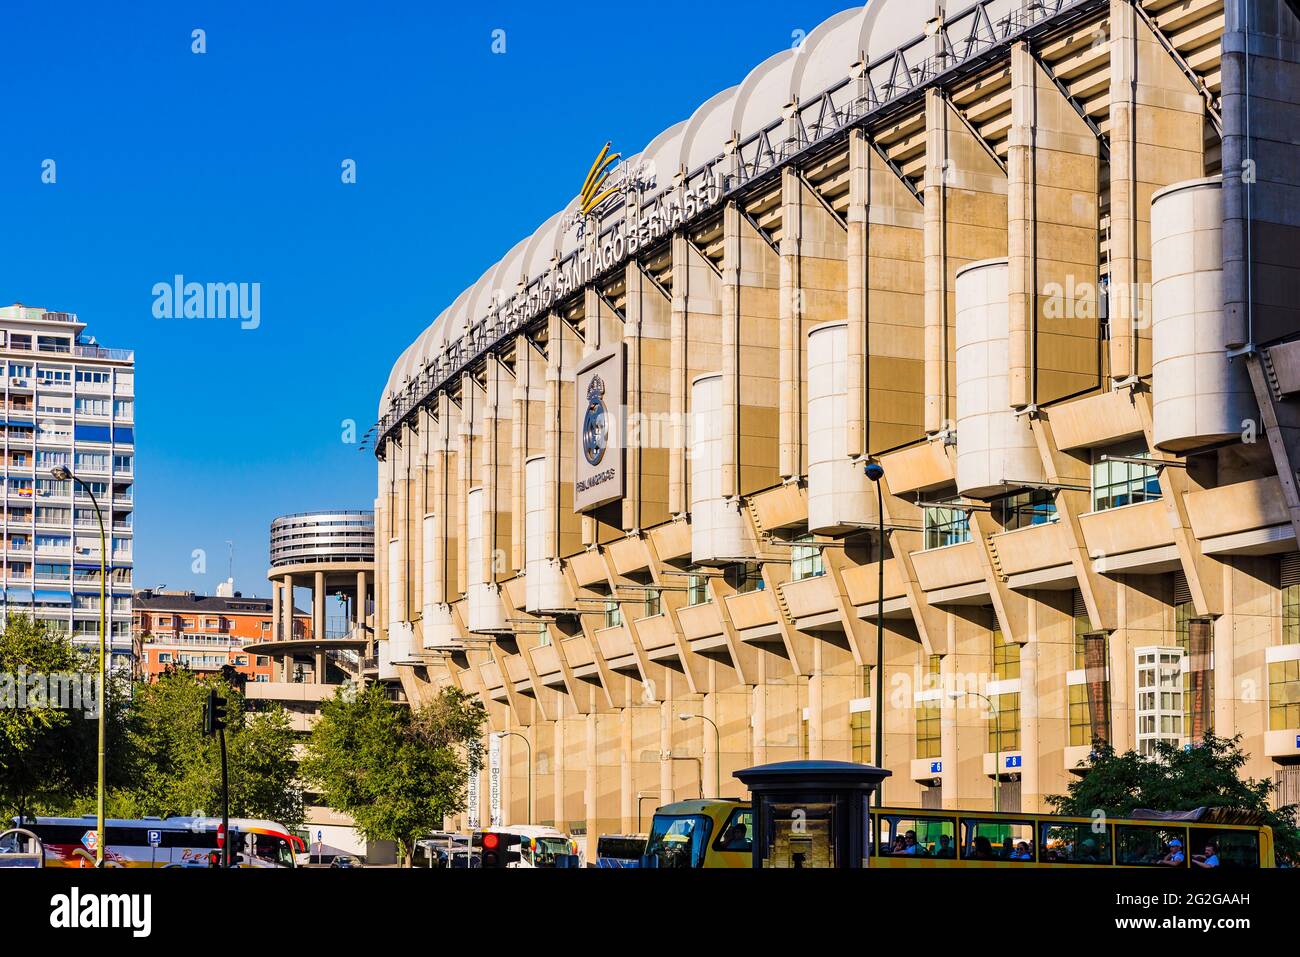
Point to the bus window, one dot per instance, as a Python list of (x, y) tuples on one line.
[(1138, 846), (903, 836), (1074, 844), (1231, 850), (988, 840), (617, 850), (738, 833), (678, 840)]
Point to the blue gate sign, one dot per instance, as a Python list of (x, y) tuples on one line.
[(1013, 760), (936, 767)]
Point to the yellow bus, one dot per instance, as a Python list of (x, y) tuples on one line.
[(712, 832), (719, 833)]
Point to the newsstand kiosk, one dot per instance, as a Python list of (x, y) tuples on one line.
[(811, 813)]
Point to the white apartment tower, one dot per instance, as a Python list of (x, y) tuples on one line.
[(67, 402)]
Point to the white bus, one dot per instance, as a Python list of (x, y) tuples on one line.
[(539, 846), (162, 842)]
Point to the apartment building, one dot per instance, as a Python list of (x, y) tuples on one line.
[(205, 633), (69, 403), (1032, 259)]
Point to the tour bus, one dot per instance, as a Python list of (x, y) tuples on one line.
[(719, 833), (539, 846), (162, 842), (710, 832)]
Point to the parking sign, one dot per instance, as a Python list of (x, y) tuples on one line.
[(155, 838)]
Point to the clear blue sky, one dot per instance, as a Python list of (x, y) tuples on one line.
[(225, 167)]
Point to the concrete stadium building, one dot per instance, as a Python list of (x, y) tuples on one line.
[(1036, 261)]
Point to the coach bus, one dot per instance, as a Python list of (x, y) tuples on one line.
[(539, 845), (719, 833), (162, 842)]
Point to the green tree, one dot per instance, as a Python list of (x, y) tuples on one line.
[(1177, 779), (395, 771), (49, 748), (178, 768)]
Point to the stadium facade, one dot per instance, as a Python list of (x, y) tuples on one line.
[(1036, 260)]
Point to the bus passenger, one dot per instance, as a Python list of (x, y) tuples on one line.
[(1175, 857), (910, 846), (1210, 858), (1021, 853), (982, 849), (899, 846), (945, 846), (1089, 852)]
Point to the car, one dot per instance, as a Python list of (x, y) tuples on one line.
[(345, 862)]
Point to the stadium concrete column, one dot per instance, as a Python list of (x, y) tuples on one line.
[(1052, 222), (1157, 133), (965, 221), (276, 589), (855, 291), (318, 605), (286, 606)]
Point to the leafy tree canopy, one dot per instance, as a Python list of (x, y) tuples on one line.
[(396, 771), (1177, 779)]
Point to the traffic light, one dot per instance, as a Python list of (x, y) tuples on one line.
[(496, 849), (214, 713)]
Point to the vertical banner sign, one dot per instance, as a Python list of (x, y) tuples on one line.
[(472, 800), (494, 779), (598, 475)]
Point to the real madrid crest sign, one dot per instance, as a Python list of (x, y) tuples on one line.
[(598, 472)]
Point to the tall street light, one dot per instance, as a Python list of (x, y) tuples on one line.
[(875, 471), (997, 748), (717, 750), (64, 474), (528, 744)]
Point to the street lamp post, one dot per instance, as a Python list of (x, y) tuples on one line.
[(529, 745), (64, 474), (875, 471), (997, 748), (717, 750)]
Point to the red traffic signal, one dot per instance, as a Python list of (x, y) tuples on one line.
[(496, 849), (221, 835)]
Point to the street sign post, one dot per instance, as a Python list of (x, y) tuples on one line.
[(155, 838)]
